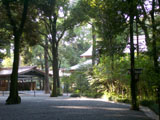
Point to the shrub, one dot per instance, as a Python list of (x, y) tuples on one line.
[(151, 104), (75, 95), (93, 95), (124, 100)]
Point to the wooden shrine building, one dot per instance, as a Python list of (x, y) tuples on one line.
[(29, 78)]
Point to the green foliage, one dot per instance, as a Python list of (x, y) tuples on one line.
[(33, 56), (114, 81), (7, 62), (111, 78), (92, 94), (110, 19), (78, 15), (75, 95), (151, 104), (67, 83), (75, 42), (80, 82)]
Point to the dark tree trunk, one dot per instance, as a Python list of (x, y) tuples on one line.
[(133, 81), (55, 72), (154, 50), (47, 89), (159, 99), (55, 67), (54, 43), (94, 45), (13, 96), (154, 43), (137, 36), (17, 32)]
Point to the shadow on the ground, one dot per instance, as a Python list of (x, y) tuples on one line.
[(66, 108)]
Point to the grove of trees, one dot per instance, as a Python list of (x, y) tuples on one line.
[(53, 33)]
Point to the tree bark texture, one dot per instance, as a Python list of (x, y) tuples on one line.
[(17, 32), (55, 67), (137, 36), (154, 50), (47, 88), (94, 45), (134, 104), (55, 71), (154, 43), (13, 96)]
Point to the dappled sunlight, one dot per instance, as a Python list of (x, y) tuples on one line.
[(77, 98), (91, 108), (79, 59)]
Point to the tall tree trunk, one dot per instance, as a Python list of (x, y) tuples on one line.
[(54, 43), (133, 81), (55, 67), (17, 32), (13, 96), (55, 72), (154, 43), (137, 36), (94, 45), (159, 99), (47, 88), (154, 50)]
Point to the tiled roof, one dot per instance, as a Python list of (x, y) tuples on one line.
[(21, 70), (79, 66), (88, 53)]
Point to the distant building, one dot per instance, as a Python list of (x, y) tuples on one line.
[(87, 54), (142, 47), (29, 78), (78, 66)]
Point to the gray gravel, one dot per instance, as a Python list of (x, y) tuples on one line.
[(65, 108)]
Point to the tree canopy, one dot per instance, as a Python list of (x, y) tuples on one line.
[(53, 34)]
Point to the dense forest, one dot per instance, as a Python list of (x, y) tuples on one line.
[(52, 34)]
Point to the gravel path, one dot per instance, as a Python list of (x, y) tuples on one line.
[(65, 108)]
